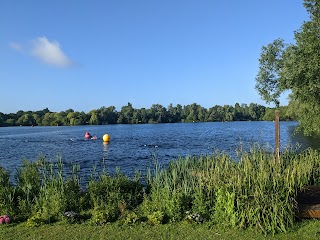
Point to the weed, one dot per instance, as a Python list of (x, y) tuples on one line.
[(253, 192)]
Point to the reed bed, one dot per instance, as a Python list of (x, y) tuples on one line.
[(253, 191)]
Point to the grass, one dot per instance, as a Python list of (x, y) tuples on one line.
[(307, 229), (215, 194), (254, 192)]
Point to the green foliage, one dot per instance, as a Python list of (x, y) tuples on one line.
[(36, 220), (171, 204), (28, 187), (131, 218), (253, 192), (308, 117), (51, 203), (268, 79), (7, 194), (4, 178), (112, 196), (104, 214), (155, 218), (74, 195), (129, 115), (224, 208), (295, 67), (42, 192)]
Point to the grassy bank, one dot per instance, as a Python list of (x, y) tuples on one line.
[(308, 229), (253, 193)]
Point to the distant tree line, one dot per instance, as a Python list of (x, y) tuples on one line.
[(156, 114)]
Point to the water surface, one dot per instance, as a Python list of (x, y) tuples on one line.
[(133, 147)]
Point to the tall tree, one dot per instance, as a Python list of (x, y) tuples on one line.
[(268, 81), (126, 114), (295, 67), (94, 117)]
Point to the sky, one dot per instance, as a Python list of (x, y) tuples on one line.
[(86, 54)]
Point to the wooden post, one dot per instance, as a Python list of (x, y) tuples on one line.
[(277, 120)]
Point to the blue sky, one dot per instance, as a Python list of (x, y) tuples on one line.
[(83, 54)]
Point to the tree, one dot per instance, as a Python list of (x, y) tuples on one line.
[(173, 114), (126, 114), (61, 118), (228, 113), (49, 119), (216, 114), (238, 115), (158, 114), (144, 115), (72, 118), (136, 118), (109, 115), (192, 112), (1, 119), (94, 117), (10, 122), (269, 114), (253, 112), (26, 120), (295, 67), (37, 119), (202, 114), (268, 79)]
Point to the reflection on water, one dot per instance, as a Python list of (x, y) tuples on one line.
[(105, 150)]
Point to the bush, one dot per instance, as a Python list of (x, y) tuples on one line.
[(7, 194), (254, 192), (111, 196)]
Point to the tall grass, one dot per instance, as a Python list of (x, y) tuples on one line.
[(112, 196), (255, 191)]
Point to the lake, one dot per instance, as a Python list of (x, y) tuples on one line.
[(134, 147)]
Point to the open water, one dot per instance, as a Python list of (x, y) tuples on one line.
[(135, 147)]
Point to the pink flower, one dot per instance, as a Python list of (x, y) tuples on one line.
[(4, 219), (7, 219)]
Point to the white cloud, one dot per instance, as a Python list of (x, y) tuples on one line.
[(16, 46), (50, 52)]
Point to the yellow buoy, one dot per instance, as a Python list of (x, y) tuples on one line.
[(106, 138)]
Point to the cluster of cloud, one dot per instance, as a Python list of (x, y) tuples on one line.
[(48, 52)]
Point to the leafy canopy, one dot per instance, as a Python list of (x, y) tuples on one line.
[(295, 67)]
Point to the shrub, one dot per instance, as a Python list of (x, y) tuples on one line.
[(7, 194), (111, 196), (155, 218), (28, 185)]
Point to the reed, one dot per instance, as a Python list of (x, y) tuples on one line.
[(7, 193), (253, 191), (111, 196)]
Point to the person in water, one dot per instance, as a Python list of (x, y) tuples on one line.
[(87, 135)]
